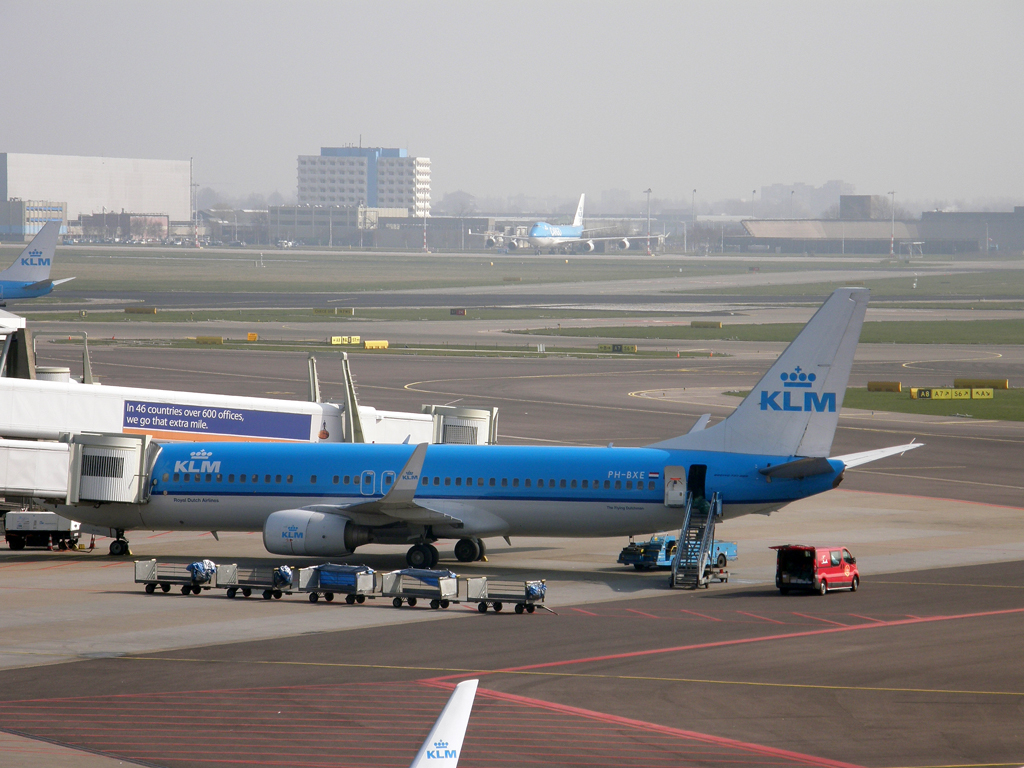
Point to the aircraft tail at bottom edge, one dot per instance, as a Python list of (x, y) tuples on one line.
[(443, 746)]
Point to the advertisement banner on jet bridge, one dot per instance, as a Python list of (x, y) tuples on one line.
[(191, 421)]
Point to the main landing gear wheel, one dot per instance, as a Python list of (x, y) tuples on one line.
[(422, 556), (118, 548), (467, 550)]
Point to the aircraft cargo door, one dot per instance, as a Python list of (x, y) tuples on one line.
[(675, 486)]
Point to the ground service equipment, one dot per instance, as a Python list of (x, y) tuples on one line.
[(691, 566), (525, 595), (409, 585), (355, 582), (270, 580), (39, 529), (660, 550), (163, 575)]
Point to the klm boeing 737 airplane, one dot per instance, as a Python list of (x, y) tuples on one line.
[(544, 235), (29, 276), (326, 500)]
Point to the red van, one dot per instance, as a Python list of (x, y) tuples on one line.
[(820, 569)]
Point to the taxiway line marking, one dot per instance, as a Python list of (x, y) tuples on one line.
[(866, 618), (702, 615), (762, 618), (580, 610), (948, 584), (818, 618), (641, 613)]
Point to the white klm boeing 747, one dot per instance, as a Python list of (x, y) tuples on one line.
[(329, 499)]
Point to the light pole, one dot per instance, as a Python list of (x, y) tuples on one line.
[(648, 193), (892, 211), (693, 218), (753, 201)]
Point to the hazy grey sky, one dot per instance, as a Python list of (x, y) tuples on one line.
[(535, 98)]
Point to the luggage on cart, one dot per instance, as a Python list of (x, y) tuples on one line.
[(409, 585), (273, 581), (524, 595), (191, 577), (355, 582)]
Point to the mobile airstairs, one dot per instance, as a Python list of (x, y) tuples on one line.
[(691, 567)]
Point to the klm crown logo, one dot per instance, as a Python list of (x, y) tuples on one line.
[(34, 259), (202, 453), (798, 379), (441, 751)]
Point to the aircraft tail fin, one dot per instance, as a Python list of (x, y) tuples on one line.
[(794, 409), (443, 746), (33, 264), (577, 220)]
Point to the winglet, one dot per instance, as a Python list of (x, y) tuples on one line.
[(408, 479), (443, 745)]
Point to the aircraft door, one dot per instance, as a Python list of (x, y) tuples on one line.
[(675, 486), (386, 481), (366, 483)]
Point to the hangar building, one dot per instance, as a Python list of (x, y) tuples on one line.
[(90, 185)]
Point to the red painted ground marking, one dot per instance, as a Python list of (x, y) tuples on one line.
[(703, 738), (580, 610), (866, 618), (156, 535), (111, 565), (914, 617), (59, 565), (702, 615), (818, 618), (762, 618), (741, 641), (641, 613)]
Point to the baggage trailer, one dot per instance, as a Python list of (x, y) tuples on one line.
[(525, 595), (191, 579), (355, 582), (273, 581), (409, 585)]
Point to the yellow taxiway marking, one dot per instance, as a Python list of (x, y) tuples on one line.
[(639, 678)]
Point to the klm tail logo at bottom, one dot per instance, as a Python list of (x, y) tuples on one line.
[(441, 752), (798, 380)]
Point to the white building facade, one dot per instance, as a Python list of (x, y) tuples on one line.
[(98, 184), (375, 177)]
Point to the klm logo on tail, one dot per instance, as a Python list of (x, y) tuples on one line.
[(798, 379), (441, 752), (35, 259)]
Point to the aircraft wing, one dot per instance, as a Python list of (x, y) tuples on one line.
[(397, 505), (856, 459)]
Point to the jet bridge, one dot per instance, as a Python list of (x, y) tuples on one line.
[(85, 468)]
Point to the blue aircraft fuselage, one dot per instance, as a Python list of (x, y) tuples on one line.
[(544, 235), (12, 289), (492, 490)]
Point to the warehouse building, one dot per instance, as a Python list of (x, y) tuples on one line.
[(21, 220), (90, 185), (375, 177)]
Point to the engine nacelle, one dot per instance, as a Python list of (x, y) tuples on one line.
[(301, 532), (588, 246), (493, 240), (624, 244), (513, 245)]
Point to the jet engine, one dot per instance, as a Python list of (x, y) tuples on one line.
[(513, 245), (624, 244), (303, 532), (588, 246), (494, 240)]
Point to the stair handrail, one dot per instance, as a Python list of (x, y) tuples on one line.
[(680, 541)]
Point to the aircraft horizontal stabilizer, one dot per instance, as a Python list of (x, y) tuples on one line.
[(700, 423), (801, 468), (63, 280), (856, 459)]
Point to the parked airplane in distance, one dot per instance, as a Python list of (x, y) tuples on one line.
[(29, 276), (329, 499), (565, 238), (443, 746)]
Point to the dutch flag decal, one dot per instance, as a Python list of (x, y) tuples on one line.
[(654, 475)]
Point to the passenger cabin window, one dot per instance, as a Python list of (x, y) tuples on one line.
[(220, 478), (586, 483), (277, 478), (629, 485), (231, 478), (288, 479), (561, 483), (266, 478), (515, 482), (175, 477), (335, 479), (426, 481), (255, 478), (504, 482), (437, 481), (346, 480), (618, 485), (650, 485), (447, 481), (573, 484), (458, 481), (166, 477), (209, 476), (492, 482), (607, 484), (312, 479), (186, 477), (527, 481)]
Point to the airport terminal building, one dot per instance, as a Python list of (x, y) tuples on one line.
[(90, 185), (375, 177)]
